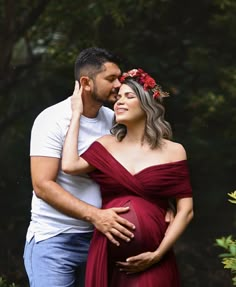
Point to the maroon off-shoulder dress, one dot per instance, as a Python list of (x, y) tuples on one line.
[(146, 193)]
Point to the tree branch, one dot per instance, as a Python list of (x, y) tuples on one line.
[(30, 19), (11, 32)]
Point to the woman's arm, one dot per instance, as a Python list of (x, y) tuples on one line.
[(72, 163), (183, 217)]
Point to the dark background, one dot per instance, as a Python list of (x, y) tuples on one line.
[(188, 46)]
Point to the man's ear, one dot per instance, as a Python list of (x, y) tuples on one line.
[(85, 82)]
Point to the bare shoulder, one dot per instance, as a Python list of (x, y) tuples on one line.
[(106, 140), (175, 150)]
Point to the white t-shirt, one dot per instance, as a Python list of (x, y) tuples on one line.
[(47, 138)]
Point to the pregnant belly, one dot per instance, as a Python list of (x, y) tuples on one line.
[(149, 230)]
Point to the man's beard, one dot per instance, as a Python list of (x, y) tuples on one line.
[(109, 101)]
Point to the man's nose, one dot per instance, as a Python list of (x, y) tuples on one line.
[(117, 83)]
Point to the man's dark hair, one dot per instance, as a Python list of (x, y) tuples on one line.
[(91, 60)]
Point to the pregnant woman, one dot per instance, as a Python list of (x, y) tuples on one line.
[(137, 166)]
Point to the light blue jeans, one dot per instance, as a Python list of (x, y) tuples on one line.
[(59, 261)]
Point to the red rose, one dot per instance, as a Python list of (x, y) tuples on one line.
[(156, 94), (122, 79), (149, 83)]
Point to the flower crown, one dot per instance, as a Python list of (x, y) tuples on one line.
[(148, 83)]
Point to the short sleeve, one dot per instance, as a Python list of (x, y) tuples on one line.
[(46, 136)]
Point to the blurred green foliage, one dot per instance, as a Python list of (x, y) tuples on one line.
[(4, 283), (229, 245)]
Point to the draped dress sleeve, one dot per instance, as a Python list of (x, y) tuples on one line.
[(146, 193)]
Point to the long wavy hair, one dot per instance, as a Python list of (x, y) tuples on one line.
[(157, 128)]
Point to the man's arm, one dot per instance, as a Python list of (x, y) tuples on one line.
[(44, 172)]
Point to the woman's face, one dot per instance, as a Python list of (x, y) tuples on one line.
[(127, 108)]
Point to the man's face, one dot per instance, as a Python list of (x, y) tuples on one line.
[(107, 84)]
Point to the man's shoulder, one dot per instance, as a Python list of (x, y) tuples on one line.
[(54, 112), (49, 129)]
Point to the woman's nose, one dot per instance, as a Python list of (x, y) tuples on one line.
[(120, 101)]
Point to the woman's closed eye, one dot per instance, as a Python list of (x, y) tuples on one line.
[(128, 95)]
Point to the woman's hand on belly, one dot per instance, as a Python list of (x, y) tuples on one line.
[(138, 263)]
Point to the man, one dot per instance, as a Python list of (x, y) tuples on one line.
[(65, 208)]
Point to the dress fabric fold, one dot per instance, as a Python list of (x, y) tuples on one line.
[(146, 193)]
